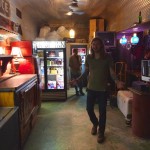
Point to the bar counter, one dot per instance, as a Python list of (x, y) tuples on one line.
[(140, 113)]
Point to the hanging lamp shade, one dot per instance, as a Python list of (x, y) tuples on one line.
[(123, 40), (134, 39), (16, 51)]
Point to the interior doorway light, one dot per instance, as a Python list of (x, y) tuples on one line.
[(72, 33)]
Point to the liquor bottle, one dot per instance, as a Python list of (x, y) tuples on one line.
[(140, 17)]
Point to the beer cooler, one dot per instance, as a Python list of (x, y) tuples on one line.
[(52, 64)]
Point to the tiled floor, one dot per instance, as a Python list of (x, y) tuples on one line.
[(66, 126)]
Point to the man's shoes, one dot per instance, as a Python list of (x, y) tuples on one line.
[(100, 137), (82, 93), (94, 130)]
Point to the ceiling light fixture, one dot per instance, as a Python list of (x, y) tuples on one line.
[(69, 13), (72, 33)]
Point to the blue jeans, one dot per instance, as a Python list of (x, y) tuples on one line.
[(80, 85), (101, 98)]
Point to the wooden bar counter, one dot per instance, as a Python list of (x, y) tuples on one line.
[(141, 113), (22, 91)]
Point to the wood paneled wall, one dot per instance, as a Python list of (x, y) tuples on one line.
[(128, 13)]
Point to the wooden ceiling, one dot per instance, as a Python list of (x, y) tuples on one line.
[(57, 9)]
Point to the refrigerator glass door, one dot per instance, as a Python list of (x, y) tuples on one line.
[(55, 69), (40, 54)]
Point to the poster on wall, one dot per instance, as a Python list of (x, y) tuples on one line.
[(5, 8), (6, 23)]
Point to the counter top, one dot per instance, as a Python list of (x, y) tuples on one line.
[(6, 77), (14, 83), (138, 92)]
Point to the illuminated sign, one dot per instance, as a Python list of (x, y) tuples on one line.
[(49, 44)]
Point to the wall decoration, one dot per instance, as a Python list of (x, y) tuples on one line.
[(5, 8)]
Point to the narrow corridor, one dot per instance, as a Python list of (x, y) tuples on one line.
[(66, 126)]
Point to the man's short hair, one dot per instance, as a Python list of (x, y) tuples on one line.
[(75, 50)]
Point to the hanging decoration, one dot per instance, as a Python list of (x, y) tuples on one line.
[(123, 40), (134, 39)]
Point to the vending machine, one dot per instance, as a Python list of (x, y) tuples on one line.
[(52, 64)]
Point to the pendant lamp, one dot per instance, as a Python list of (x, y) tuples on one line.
[(123, 40), (134, 39)]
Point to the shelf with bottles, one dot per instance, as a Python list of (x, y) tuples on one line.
[(54, 65), (51, 74), (56, 82), (55, 62), (55, 54), (55, 85), (55, 71), (54, 57)]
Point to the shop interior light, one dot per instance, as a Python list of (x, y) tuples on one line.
[(123, 40), (16, 52), (72, 33), (134, 39)]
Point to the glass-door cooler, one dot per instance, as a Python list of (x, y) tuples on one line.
[(52, 56), (55, 69)]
